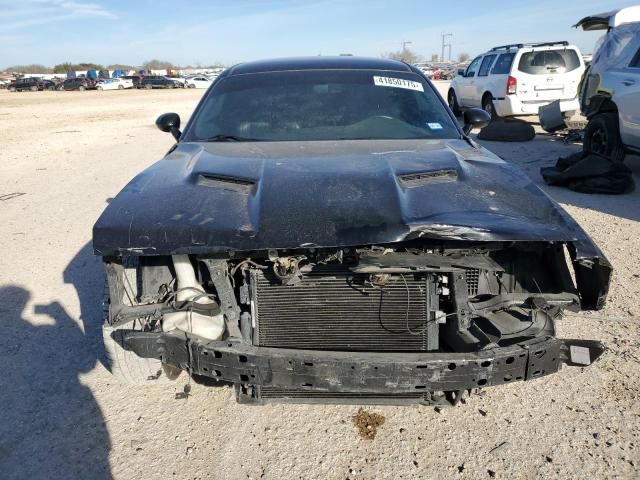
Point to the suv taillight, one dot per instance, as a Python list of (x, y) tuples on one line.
[(512, 85)]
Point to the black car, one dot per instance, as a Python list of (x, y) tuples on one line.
[(159, 81), (79, 83), (324, 231), (27, 84)]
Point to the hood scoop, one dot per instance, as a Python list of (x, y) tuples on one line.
[(236, 184), (419, 179)]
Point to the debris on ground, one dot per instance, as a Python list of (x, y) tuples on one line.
[(589, 173), (513, 130), (368, 423)]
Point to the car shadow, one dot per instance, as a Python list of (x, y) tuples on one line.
[(50, 423), (544, 151)]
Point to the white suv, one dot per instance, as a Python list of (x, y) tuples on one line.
[(610, 91), (518, 79)]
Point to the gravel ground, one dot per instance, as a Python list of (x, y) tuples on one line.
[(64, 417)]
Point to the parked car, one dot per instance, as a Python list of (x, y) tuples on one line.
[(513, 80), (179, 79), (114, 84), (610, 91), (159, 81), (32, 84), (79, 83), (324, 230), (199, 82), (135, 80)]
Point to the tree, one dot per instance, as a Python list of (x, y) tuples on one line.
[(33, 68), (66, 66), (120, 66), (463, 57), (404, 54), (157, 64)]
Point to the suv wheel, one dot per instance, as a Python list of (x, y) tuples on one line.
[(34, 88), (602, 137), (81, 88), (487, 106), (120, 87), (452, 100)]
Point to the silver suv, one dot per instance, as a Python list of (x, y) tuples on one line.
[(610, 89)]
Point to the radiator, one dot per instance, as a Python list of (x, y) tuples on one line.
[(334, 309)]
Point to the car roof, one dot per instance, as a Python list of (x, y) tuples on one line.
[(319, 63)]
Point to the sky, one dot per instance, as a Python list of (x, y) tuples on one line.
[(201, 32)]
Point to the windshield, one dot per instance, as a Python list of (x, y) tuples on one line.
[(321, 105)]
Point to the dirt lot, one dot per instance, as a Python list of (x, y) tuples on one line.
[(63, 416)]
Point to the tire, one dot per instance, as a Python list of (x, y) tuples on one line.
[(602, 137), (120, 87), (81, 88), (487, 106), (452, 100), (126, 366), (34, 89), (148, 86), (99, 88)]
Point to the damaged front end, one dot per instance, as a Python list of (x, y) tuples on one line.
[(417, 321)]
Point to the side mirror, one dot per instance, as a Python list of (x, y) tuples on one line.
[(461, 72), (169, 122), (475, 118)]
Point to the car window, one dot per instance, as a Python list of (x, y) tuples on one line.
[(486, 65), (503, 64), (472, 68), (322, 105), (635, 63), (544, 62)]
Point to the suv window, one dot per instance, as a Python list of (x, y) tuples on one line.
[(486, 65), (473, 67), (544, 62), (503, 64)]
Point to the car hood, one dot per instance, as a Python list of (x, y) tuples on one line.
[(232, 196)]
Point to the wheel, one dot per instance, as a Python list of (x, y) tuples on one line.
[(34, 89), (99, 88), (148, 86), (487, 106), (452, 100), (124, 364), (80, 88), (602, 137), (120, 87)]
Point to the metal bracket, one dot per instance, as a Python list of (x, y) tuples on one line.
[(218, 269)]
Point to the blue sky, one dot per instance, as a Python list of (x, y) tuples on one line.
[(205, 32)]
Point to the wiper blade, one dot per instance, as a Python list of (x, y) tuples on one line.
[(229, 138)]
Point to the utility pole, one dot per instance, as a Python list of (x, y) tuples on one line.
[(445, 44)]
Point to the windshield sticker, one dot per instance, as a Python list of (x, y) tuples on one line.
[(434, 126), (397, 83)]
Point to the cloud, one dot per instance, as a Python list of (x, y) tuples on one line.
[(40, 12)]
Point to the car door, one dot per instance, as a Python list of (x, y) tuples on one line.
[(626, 85), (467, 84), (482, 83)]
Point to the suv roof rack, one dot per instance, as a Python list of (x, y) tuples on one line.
[(521, 45)]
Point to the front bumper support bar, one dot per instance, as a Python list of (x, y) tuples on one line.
[(360, 372)]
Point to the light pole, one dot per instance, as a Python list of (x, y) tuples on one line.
[(404, 46), (444, 44)]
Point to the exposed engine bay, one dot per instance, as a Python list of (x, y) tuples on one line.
[(371, 304)]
